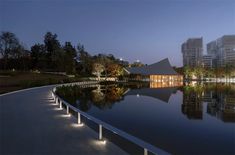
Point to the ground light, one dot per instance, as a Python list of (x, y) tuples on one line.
[(57, 109), (103, 142), (77, 125), (64, 115)]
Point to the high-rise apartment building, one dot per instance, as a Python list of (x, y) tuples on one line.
[(207, 61), (222, 51), (192, 51)]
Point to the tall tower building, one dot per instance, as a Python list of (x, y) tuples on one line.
[(223, 50), (192, 51)]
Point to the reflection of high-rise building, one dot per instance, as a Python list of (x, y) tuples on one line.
[(192, 51), (192, 105), (222, 106), (220, 100)]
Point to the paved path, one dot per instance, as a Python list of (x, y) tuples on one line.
[(31, 124)]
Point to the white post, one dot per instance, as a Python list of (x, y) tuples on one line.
[(60, 104), (67, 109), (79, 118), (145, 151), (100, 132), (56, 100), (52, 95)]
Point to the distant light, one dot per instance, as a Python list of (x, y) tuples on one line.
[(137, 60), (121, 59), (137, 95)]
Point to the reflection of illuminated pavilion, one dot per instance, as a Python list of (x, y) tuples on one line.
[(161, 72), (162, 94)]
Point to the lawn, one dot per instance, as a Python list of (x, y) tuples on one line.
[(13, 80)]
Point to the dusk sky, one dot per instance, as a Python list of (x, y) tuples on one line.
[(145, 30)]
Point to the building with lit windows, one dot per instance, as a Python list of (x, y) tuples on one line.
[(160, 74), (207, 61), (223, 51), (192, 51)]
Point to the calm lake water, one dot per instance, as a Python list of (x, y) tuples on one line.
[(196, 119)]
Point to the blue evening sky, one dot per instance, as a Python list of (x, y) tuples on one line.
[(147, 30)]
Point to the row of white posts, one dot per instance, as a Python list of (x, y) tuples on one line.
[(78, 117), (56, 99)]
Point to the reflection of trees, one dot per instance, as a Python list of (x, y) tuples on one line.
[(107, 96), (76, 96), (192, 102), (102, 96), (97, 95)]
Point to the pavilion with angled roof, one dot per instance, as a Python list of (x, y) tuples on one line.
[(161, 72)]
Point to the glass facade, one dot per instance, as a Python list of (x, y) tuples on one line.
[(159, 81)]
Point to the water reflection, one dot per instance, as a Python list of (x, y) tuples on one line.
[(219, 99), (192, 119), (101, 96), (162, 94)]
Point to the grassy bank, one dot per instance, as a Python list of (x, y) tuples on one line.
[(11, 81)]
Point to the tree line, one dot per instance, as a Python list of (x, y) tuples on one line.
[(200, 72), (53, 56)]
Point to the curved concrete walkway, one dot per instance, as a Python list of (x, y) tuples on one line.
[(30, 123)]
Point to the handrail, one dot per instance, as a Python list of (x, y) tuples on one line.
[(146, 146)]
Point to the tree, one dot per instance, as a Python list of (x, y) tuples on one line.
[(69, 58), (104, 60), (114, 70), (9, 46), (85, 60), (39, 56), (97, 69), (199, 72), (188, 72), (54, 52), (137, 63), (228, 71)]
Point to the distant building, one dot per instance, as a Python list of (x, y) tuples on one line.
[(222, 51), (212, 50), (192, 51), (207, 61), (160, 72)]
